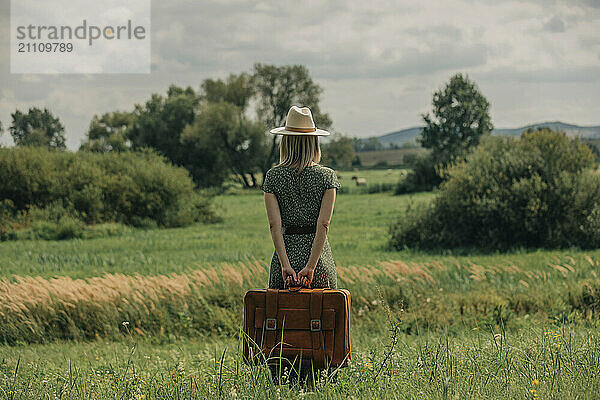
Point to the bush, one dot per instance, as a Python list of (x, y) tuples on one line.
[(7, 210), (193, 208), (415, 228), (534, 191), (67, 189), (104, 230), (424, 176)]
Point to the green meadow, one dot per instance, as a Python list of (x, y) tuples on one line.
[(357, 236), (467, 325)]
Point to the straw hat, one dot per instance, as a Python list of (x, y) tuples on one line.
[(299, 121)]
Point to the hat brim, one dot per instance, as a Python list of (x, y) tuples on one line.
[(283, 131)]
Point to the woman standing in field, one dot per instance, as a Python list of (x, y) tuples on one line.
[(299, 197)]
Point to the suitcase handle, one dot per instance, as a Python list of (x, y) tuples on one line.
[(297, 288)]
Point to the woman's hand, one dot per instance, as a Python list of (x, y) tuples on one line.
[(305, 276), (289, 276)]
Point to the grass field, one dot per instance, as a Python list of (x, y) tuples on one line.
[(357, 231), (391, 157), (510, 325), (378, 180), (540, 362)]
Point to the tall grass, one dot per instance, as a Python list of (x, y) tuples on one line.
[(543, 361), (208, 300)]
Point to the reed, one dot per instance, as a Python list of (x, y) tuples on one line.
[(208, 299)]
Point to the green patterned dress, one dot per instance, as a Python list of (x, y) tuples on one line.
[(299, 205)]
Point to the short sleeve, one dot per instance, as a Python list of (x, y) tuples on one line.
[(332, 181), (267, 184)]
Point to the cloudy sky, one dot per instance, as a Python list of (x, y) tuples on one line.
[(378, 61)]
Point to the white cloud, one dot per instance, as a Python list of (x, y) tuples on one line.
[(555, 24)]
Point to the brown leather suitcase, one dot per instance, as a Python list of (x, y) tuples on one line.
[(301, 326)]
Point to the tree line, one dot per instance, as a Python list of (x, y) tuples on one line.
[(221, 128), (212, 131)]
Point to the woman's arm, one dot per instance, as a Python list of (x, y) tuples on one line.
[(274, 216), (306, 275)]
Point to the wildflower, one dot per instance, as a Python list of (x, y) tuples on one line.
[(535, 382), (125, 323), (532, 391), (44, 381)]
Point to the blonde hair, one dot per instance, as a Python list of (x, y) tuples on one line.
[(299, 151)]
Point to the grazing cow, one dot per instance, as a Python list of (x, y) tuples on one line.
[(359, 181)]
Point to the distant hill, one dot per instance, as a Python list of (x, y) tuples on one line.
[(588, 132), (409, 135), (400, 137)]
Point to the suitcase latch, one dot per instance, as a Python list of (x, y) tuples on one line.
[(271, 324), (315, 325)]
